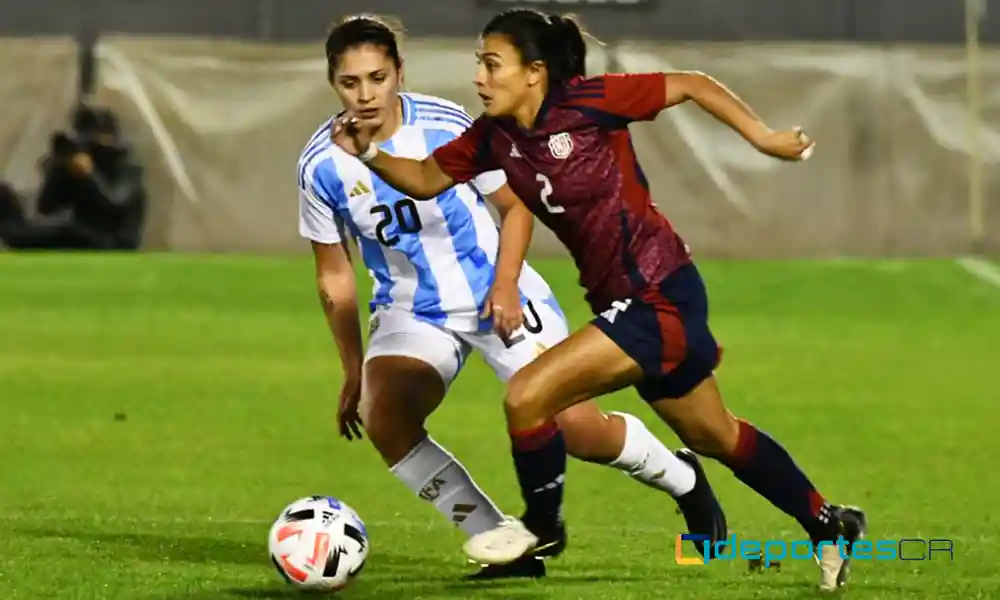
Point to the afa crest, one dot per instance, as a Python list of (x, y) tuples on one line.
[(561, 145)]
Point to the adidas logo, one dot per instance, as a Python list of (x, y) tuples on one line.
[(461, 512), (359, 189), (514, 152)]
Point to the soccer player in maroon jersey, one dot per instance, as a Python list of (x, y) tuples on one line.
[(563, 140)]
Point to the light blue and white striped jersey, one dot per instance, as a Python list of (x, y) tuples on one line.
[(431, 257)]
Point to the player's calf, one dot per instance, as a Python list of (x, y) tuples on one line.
[(539, 453), (540, 463), (593, 436), (763, 464), (585, 365), (393, 439), (760, 462), (434, 475), (398, 394), (716, 439)]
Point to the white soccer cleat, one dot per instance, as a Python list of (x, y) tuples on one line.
[(509, 541)]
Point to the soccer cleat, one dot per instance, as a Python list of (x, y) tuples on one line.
[(847, 525), (512, 540), (528, 567), (701, 509), (552, 541)]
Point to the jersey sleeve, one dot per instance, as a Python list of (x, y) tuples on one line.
[(627, 96), (489, 182), (468, 155), (318, 222)]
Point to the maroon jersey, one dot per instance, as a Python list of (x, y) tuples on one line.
[(578, 172)]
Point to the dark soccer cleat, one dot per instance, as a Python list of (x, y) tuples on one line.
[(846, 525), (551, 540), (701, 509), (528, 567)]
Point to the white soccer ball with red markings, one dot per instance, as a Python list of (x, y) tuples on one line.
[(318, 543)]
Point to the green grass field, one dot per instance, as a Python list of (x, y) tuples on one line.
[(880, 377)]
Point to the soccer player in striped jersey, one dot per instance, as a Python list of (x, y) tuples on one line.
[(563, 140), (442, 291)]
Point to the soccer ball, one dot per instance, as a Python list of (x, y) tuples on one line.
[(318, 543)]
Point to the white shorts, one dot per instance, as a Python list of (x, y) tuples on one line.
[(400, 333)]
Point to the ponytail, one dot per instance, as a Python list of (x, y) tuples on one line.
[(556, 41), (570, 37)]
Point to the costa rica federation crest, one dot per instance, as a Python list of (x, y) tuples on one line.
[(560, 145)]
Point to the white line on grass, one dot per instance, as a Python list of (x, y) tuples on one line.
[(980, 269)]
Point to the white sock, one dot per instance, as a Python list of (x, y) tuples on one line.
[(434, 475), (645, 458)]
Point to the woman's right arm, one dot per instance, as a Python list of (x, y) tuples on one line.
[(418, 179), (456, 162)]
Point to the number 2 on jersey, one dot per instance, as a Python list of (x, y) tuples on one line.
[(546, 192)]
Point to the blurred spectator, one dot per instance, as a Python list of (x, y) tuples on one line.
[(92, 195)]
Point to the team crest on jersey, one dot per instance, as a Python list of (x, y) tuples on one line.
[(560, 144)]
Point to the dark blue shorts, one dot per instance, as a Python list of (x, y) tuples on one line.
[(665, 330)]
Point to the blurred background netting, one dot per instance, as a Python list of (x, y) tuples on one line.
[(218, 96)]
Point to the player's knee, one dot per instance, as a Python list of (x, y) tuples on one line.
[(524, 400), (518, 394)]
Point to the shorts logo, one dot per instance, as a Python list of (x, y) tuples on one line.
[(616, 307), (373, 325), (561, 145)]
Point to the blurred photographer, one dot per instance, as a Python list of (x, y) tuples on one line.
[(92, 195)]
